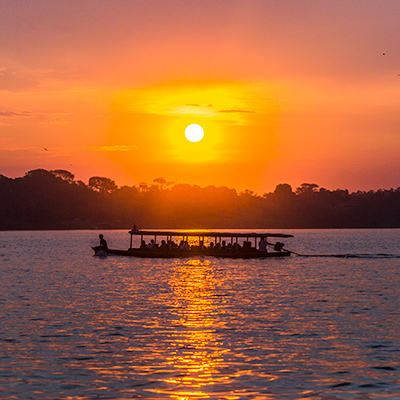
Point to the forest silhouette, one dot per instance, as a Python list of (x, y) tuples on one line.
[(55, 200)]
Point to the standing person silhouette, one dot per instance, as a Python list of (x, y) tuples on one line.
[(262, 246)]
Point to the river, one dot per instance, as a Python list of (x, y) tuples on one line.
[(323, 324)]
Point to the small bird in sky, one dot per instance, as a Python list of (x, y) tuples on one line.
[(45, 148)]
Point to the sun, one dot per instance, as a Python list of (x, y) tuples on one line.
[(194, 133)]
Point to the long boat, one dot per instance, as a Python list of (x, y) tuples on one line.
[(161, 244)]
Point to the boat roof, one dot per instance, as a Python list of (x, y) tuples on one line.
[(204, 233)]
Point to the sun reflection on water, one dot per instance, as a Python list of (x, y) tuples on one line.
[(196, 350)]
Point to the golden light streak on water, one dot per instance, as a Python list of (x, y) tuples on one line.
[(196, 349)]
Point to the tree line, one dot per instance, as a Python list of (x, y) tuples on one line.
[(55, 200)]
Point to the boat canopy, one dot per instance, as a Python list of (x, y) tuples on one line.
[(205, 233)]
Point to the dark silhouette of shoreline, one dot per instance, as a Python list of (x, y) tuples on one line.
[(55, 200)]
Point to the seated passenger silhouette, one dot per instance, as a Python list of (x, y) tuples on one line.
[(164, 245), (183, 245), (152, 244), (172, 245), (103, 243), (237, 246)]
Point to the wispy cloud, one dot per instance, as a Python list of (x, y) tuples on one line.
[(12, 114), (44, 118), (113, 148), (62, 74), (7, 115), (54, 118), (192, 109), (13, 81), (237, 111), (18, 149), (56, 121), (198, 105)]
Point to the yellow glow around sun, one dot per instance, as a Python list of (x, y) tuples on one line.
[(194, 133), (153, 121)]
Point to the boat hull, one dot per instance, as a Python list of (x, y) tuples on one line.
[(196, 253)]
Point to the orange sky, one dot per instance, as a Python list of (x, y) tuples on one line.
[(287, 92)]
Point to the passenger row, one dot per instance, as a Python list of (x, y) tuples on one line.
[(184, 245)]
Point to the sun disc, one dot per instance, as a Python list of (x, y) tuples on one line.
[(194, 133)]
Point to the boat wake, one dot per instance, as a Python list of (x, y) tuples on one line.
[(349, 255)]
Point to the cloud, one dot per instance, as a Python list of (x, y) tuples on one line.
[(54, 118), (192, 109), (198, 105), (61, 74), (114, 148), (44, 118), (56, 122), (59, 123), (18, 149), (12, 81), (237, 111), (12, 114)]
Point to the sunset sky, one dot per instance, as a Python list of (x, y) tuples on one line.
[(286, 91)]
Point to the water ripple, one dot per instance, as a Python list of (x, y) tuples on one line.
[(77, 327)]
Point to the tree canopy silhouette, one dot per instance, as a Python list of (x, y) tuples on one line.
[(44, 199), (102, 185)]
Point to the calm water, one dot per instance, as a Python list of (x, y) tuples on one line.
[(74, 326)]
